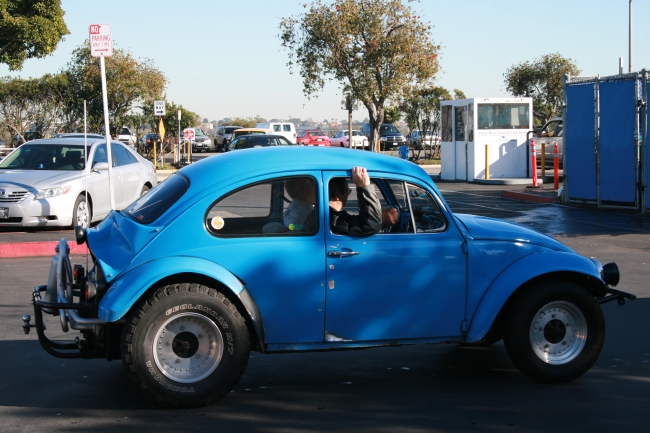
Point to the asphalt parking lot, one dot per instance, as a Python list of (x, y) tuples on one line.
[(441, 388)]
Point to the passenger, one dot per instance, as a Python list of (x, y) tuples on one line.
[(369, 220), (303, 197)]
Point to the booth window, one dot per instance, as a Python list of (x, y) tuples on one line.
[(503, 116), (460, 123), (446, 123)]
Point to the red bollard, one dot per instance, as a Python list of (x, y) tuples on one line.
[(556, 166), (534, 162)]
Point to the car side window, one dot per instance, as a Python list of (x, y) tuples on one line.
[(100, 154), (284, 207), (419, 206), (286, 128), (119, 155), (276, 128)]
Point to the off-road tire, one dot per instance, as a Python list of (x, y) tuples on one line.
[(554, 331), (186, 345)]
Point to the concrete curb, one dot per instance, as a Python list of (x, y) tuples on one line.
[(522, 196), (37, 249)]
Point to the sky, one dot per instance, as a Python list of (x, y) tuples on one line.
[(224, 58)]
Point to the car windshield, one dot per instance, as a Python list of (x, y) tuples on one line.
[(61, 157), (125, 131), (154, 203), (230, 129), (388, 128), (199, 133)]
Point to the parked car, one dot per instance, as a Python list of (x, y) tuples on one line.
[(548, 135), (419, 140), (340, 139), (389, 136), (148, 141), (127, 137), (258, 140), (47, 183), (78, 135), (287, 129), (201, 142), (246, 131), (187, 280), (313, 137), (222, 136)]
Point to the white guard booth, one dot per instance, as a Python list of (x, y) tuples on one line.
[(469, 125)]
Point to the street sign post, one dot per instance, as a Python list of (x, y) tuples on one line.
[(189, 136), (159, 108), (101, 45)]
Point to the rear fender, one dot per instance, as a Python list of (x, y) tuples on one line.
[(127, 289), (525, 270)]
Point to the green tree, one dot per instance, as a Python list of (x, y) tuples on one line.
[(244, 122), (392, 114), (373, 48), (35, 104), (421, 108), (541, 79), (130, 84), (29, 29)]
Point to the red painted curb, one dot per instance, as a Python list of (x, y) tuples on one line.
[(36, 249), (522, 196)]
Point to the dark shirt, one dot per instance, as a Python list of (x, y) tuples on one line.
[(367, 223)]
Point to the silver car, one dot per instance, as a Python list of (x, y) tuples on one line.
[(47, 183)]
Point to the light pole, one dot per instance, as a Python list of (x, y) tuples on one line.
[(630, 40)]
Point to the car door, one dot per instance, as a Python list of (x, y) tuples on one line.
[(98, 183), (280, 264), (131, 173), (404, 284)]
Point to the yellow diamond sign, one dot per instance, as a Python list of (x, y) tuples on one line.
[(161, 130)]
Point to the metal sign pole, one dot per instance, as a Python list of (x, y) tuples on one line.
[(108, 133)]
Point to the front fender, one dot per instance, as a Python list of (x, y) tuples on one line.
[(519, 273), (127, 289)]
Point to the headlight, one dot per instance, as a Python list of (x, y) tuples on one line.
[(52, 192)]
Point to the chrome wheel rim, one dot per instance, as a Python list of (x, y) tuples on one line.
[(82, 215), (558, 332), (188, 347)]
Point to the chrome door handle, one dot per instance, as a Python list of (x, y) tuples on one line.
[(342, 253)]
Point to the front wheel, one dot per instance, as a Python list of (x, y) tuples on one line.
[(554, 331), (81, 213), (186, 345)]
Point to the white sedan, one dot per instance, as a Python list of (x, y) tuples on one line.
[(47, 183), (340, 139)]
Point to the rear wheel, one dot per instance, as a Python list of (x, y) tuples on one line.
[(186, 345), (81, 213), (554, 332)]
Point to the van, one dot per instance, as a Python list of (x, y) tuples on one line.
[(286, 129)]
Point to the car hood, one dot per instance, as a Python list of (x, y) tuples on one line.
[(37, 178), (484, 228)]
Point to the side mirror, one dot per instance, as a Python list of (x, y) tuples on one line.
[(538, 132), (100, 166)]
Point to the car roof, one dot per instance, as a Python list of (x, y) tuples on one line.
[(253, 129), (283, 160), (68, 140)]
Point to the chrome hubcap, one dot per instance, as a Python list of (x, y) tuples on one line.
[(188, 347), (558, 332), (82, 215)]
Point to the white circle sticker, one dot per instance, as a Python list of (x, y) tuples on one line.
[(217, 223)]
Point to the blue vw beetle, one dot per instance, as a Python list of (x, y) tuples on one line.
[(210, 265)]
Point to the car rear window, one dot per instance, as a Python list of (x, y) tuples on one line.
[(315, 134), (150, 206), (231, 129)]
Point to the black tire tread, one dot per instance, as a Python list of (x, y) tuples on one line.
[(140, 312)]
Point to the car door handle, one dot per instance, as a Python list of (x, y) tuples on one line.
[(342, 253)]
